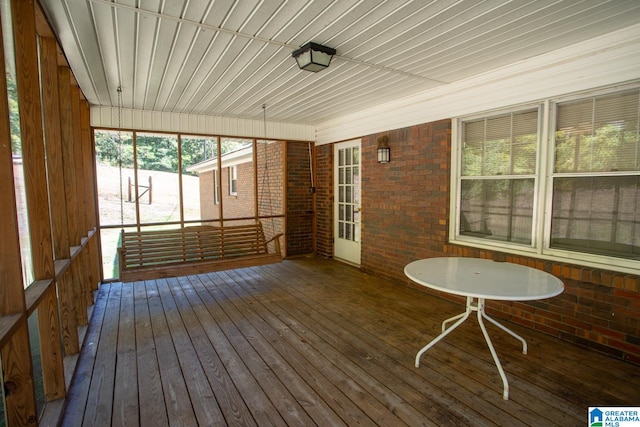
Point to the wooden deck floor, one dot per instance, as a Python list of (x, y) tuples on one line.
[(316, 342)]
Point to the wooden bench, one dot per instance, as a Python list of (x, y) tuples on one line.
[(145, 255)]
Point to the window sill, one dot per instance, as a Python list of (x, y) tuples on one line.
[(620, 265)]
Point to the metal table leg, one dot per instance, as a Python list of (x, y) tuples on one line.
[(462, 317), (478, 307)]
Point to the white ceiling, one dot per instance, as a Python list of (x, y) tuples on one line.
[(229, 57)]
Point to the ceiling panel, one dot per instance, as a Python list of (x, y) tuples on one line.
[(229, 57)]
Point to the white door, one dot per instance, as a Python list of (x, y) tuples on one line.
[(347, 215)]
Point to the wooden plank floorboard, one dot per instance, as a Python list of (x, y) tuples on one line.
[(229, 399), (283, 360), (326, 357), (451, 361), (353, 342), (517, 363), (246, 342), (100, 400), (254, 397), (314, 369), (125, 397), (202, 398), (317, 342), (153, 410), (176, 395), (454, 360), (465, 352), (79, 391)]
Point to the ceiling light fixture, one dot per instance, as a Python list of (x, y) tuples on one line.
[(313, 57)]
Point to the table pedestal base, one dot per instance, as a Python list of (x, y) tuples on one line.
[(477, 305)]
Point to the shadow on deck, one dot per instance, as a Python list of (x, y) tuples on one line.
[(317, 342)]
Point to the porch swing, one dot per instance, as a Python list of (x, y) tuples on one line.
[(146, 255)]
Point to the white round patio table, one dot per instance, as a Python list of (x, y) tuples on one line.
[(479, 280)]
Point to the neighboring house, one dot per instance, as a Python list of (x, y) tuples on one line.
[(284, 201), (231, 190)]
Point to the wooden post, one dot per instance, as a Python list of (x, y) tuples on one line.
[(150, 189), (85, 272), (90, 196), (16, 354), (20, 400), (48, 315), (129, 195), (71, 178)]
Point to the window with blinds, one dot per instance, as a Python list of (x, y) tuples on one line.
[(596, 179), (497, 180), (571, 191)]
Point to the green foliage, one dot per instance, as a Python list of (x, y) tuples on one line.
[(159, 152), (612, 147), (14, 115)]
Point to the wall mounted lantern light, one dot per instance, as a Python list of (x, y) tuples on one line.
[(313, 57), (384, 152)]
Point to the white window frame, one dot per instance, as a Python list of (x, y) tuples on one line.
[(216, 192), (233, 180), (543, 193)]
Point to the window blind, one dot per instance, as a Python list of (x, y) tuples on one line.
[(500, 145), (599, 134)]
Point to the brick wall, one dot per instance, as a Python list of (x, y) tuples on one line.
[(271, 180), (405, 202), (299, 200), (324, 200), (405, 206)]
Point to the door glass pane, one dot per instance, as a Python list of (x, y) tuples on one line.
[(356, 186), (348, 185)]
